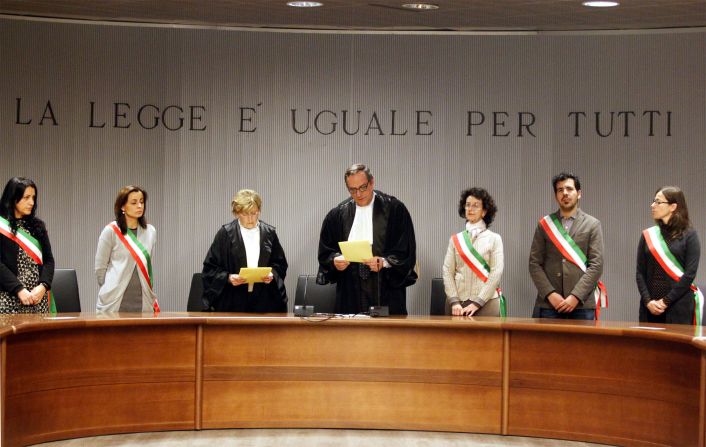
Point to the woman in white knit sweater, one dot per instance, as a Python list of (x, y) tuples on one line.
[(473, 264)]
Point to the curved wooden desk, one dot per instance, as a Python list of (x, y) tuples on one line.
[(604, 382)]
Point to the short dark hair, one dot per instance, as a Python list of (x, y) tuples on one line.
[(356, 168), (482, 195), (679, 222), (121, 200), (560, 177)]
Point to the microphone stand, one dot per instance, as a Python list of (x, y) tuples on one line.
[(379, 310), (303, 310)]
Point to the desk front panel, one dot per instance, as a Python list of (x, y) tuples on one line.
[(90, 381), (604, 388), (355, 376)]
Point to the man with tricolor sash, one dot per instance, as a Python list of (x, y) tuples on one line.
[(566, 258)]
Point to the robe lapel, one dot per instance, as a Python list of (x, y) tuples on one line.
[(265, 248), (348, 215), (380, 219), (238, 247)]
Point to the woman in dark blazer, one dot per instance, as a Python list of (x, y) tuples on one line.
[(245, 242), (26, 260), (664, 298)]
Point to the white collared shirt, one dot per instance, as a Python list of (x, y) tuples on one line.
[(475, 229), (251, 240), (362, 229)]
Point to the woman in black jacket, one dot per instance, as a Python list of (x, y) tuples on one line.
[(667, 261), (26, 261)]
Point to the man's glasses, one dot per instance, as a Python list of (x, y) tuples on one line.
[(361, 188)]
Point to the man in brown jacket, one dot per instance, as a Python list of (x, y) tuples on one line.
[(566, 257)]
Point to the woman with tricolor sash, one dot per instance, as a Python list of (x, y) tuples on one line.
[(473, 264), (667, 261), (124, 257), (26, 261)]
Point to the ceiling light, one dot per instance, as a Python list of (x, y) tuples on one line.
[(420, 6), (600, 4), (305, 4)]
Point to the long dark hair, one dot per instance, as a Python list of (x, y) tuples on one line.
[(121, 200), (13, 193), (485, 197), (679, 222)]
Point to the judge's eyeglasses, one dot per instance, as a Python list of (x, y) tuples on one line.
[(361, 188)]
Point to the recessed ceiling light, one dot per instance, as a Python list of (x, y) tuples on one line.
[(305, 4), (600, 4), (420, 6)]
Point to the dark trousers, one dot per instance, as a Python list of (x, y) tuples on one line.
[(577, 314), (679, 312)]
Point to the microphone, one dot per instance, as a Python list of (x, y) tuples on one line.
[(302, 310), (379, 310)]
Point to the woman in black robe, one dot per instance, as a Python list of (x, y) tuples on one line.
[(245, 242)]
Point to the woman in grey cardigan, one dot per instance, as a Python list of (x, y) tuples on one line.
[(474, 260), (124, 257)]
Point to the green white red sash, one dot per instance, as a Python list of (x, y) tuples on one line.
[(573, 253), (30, 245), (474, 261), (665, 258), (140, 254)]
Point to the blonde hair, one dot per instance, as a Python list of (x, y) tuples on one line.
[(245, 200)]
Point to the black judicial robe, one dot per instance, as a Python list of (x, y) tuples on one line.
[(393, 239), (227, 255)]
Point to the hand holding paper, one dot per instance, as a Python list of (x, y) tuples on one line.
[(340, 263), (254, 274), (356, 251), (375, 263)]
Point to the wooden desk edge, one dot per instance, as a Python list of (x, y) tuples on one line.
[(201, 321), (673, 333)]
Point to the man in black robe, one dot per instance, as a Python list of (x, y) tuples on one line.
[(385, 221)]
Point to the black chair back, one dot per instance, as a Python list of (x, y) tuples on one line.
[(437, 305), (64, 289), (308, 293), (195, 303)]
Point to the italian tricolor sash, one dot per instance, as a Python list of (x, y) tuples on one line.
[(665, 258), (30, 245), (573, 253), (476, 263), (140, 254)]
